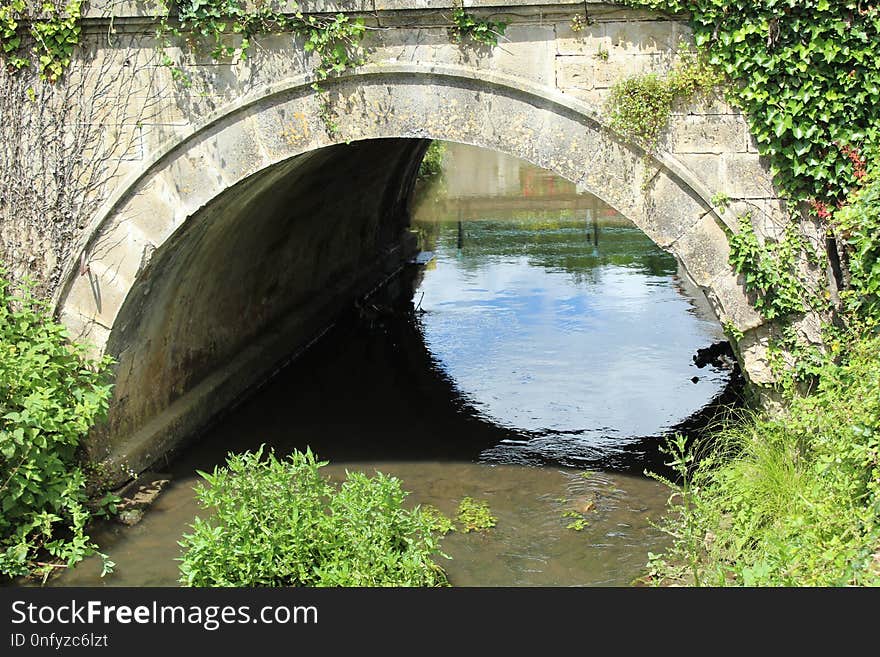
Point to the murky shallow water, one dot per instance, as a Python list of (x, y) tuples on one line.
[(530, 545), (547, 340)]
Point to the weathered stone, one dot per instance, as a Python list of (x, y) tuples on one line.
[(669, 211), (659, 37), (709, 168), (753, 351), (705, 251), (700, 133), (590, 41), (576, 72), (748, 176), (732, 305)]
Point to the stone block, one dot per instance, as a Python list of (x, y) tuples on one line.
[(595, 99), (667, 212), (754, 351), (195, 179), (704, 251), (99, 293), (589, 41), (576, 72), (643, 37), (728, 296), (151, 210), (748, 176), (527, 51), (708, 169), (696, 133), (81, 328)]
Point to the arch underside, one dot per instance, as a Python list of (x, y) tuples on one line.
[(239, 242)]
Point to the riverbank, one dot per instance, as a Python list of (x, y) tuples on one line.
[(786, 501)]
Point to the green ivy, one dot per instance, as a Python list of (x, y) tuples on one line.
[(51, 30), (334, 39), (11, 13), (769, 269), (859, 226), (807, 75)]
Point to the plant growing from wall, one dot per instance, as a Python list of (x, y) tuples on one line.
[(46, 32), (858, 224), (334, 39), (768, 269), (639, 107), (807, 75), (467, 27)]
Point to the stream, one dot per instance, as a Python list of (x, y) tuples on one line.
[(534, 358)]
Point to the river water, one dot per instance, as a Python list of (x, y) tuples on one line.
[(534, 362)]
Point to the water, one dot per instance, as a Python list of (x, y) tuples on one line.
[(567, 326), (533, 363)]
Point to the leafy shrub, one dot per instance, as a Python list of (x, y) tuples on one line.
[(639, 107), (280, 523), (50, 396), (787, 501)]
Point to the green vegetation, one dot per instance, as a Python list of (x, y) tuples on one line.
[(465, 26), (280, 523), (438, 522), (807, 75), (639, 107), (794, 499), (475, 515), (46, 31), (791, 498), (790, 501), (50, 396), (578, 22), (335, 39), (578, 522), (432, 163), (768, 269), (859, 226)]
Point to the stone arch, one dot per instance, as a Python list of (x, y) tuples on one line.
[(170, 212)]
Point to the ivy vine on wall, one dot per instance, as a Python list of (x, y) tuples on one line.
[(807, 75), (335, 39), (47, 31)]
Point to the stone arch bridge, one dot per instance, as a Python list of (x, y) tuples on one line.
[(251, 209)]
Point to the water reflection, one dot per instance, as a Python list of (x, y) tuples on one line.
[(554, 315)]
